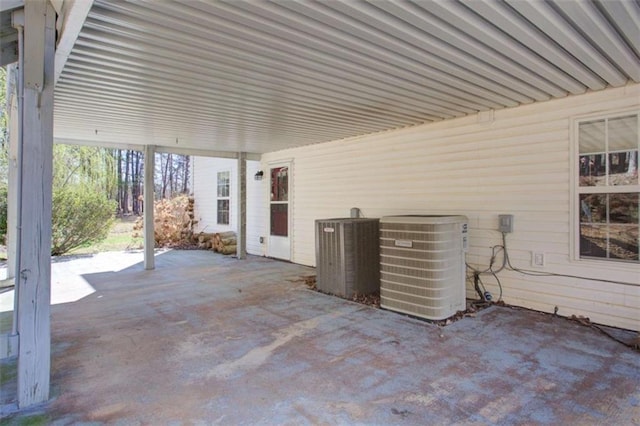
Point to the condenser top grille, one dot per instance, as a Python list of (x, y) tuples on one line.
[(423, 220)]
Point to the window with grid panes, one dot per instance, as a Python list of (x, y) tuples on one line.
[(608, 188), (223, 198)]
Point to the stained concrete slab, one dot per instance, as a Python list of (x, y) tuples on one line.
[(206, 339)]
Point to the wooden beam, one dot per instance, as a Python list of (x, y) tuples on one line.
[(159, 149), (8, 52), (10, 39), (206, 153), (74, 13), (34, 17), (8, 5), (101, 144), (241, 250), (12, 166), (33, 275), (149, 240), (8, 345)]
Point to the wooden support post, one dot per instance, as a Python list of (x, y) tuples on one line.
[(241, 250), (33, 273), (12, 190), (149, 239)]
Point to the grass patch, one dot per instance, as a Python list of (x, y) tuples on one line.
[(27, 420), (120, 238)]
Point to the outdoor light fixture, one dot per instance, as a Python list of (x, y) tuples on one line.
[(258, 175)]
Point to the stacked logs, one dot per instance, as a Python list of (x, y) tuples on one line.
[(225, 242), (187, 229), (221, 242), (204, 240), (173, 222)]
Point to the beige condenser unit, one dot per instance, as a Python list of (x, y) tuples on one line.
[(348, 256), (422, 265)]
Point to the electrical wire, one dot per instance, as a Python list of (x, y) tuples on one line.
[(506, 264), (476, 285), (499, 286), (495, 251), (614, 338), (551, 274), (585, 322)]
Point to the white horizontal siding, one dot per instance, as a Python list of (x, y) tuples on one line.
[(517, 162), (205, 175), (205, 188), (256, 210)]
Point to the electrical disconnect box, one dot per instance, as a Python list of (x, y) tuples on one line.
[(505, 223)]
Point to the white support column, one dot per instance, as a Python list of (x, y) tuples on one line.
[(149, 239), (33, 272), (241, 251)]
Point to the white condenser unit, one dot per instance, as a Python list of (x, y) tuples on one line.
[(348, 256), (422, 265)]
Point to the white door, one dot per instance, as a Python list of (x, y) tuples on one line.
[(279, 217)]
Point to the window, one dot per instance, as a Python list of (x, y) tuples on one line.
[(223, 198), (608, 192)]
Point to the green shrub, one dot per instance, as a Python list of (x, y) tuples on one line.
[(80, 217)]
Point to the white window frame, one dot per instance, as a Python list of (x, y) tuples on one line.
[(576, 190), (223, 197)]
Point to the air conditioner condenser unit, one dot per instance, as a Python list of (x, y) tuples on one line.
[(422, 265), (348, 256)]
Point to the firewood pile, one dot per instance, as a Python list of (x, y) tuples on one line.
[(225, 242), (187, 227), (221, 242), (173, 222), (204, 240)]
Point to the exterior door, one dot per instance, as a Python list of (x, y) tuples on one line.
[(279, 217)]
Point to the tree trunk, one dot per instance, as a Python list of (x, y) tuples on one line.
[(120, 189), (170, 161), (185, 177), (124, 179), (127, 177), (135, 187), (165, 173)]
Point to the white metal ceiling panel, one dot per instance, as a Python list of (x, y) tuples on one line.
[(594, 26), (260, 76), (508, 21), (548, 19)]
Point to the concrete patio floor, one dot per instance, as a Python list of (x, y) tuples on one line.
[(207, 339)]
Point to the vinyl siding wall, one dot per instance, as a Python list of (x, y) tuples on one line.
[(514, 161), (205, 179)]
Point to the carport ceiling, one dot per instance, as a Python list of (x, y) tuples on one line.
[(261, 76)]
